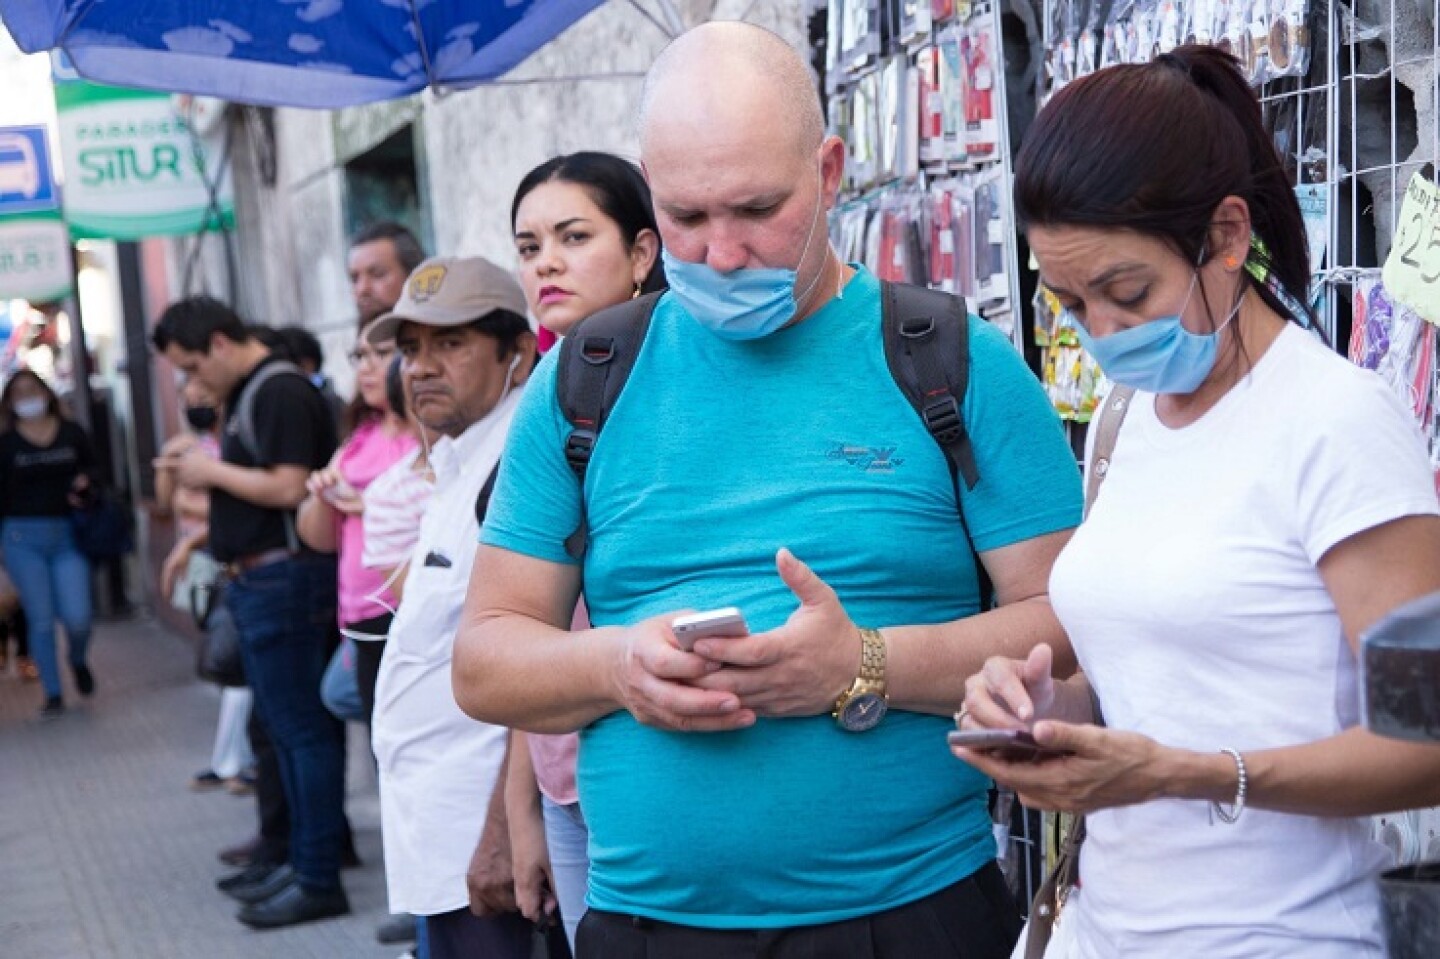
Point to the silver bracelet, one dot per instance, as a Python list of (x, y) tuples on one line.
[(1238, 806)]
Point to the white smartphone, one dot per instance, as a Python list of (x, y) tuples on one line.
[(716, 622)]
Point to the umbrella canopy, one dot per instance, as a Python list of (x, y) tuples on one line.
[(304, 53)]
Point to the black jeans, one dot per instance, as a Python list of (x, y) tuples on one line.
[(974, 919), (463, 935), (367, 672)]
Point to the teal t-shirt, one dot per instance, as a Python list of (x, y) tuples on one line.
[(717, 454)]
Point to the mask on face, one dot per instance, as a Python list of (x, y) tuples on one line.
[(1160, 356), (32, 407), (744, 304), (201, 418)]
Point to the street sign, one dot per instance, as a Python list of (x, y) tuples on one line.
[(25, 181), (35, 257), (135, 168)]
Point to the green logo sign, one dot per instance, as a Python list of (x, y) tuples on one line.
[(134, 168)]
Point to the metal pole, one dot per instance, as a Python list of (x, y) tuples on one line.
[(79, 353)]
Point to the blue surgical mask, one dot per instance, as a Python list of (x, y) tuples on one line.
[(1160, 356), (744, 304)]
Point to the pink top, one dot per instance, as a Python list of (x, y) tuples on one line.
[(367, 454), (554, 756)]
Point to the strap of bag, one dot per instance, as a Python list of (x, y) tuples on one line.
[(241, 425), (1050, 897), (927, 347), (595, 362), (1112, 416)]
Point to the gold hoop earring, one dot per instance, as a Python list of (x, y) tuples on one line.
[(636, 295)]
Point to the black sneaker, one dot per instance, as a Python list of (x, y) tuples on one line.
[(83, 680), (54, 708)]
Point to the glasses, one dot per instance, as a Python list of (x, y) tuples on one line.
[(366, 354)]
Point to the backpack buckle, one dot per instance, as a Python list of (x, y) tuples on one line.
[(578, 447), (942, 419), (917, 328), (597, 350)]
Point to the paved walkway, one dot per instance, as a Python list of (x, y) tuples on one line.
[(104, 851)]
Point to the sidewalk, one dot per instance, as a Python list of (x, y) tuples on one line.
[(105, 853)]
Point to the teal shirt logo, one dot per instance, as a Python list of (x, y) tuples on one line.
[(869, 459)]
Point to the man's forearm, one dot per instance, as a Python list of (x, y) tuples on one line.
[(519, 672), (269, 488), (926, 666)]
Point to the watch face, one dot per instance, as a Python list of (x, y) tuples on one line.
[(863, 712)]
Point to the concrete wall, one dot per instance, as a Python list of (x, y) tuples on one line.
[(474, 146)]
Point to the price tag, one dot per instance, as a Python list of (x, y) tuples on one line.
[(1412, 270)]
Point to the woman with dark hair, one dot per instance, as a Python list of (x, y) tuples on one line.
[(1264, 503), (586, 237), (590, 214), (330, 521), (45, 467)]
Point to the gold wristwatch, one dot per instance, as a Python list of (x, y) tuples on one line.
[(864, 704)]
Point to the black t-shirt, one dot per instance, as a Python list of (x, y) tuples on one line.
[(293, 427), (35, 480)]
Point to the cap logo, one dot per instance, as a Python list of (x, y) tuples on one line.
[(426, 283)]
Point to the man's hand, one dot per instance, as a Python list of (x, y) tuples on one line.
[(490, 878), (798, 669), (177, 445), (174, 567), (192, 467), (654, 679), (534, 879)]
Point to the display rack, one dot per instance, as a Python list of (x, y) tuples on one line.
[(917, 91)]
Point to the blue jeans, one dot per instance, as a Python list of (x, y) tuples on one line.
[(285, 612), (53, 578), (339, 689), (567, 839)]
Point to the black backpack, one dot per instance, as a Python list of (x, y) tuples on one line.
[(927, 347)]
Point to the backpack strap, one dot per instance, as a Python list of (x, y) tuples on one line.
[(927, 347), (241, 425), (595, 362), (482, 501)]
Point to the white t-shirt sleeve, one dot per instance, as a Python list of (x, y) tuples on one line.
[(1361, 466)]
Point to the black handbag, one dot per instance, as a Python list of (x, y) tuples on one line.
[(103, 528), (548, 941), (218, 660)]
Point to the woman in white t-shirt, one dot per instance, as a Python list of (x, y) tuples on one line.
[(1264, 504)]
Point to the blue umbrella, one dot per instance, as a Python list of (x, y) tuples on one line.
[(304, 53)]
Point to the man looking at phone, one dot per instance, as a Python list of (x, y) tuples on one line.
[(730, 813), (281, 595), (466, 349)]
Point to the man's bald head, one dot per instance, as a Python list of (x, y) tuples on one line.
[(727, 73)]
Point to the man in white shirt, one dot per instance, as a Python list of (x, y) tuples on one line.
[(467, 348)]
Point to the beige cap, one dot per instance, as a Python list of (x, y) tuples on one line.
[(451, 291)]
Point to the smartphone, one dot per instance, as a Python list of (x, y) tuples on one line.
[(1012, 745), (716, 622)]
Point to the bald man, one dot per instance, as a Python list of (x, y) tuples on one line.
[(754, 796)]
